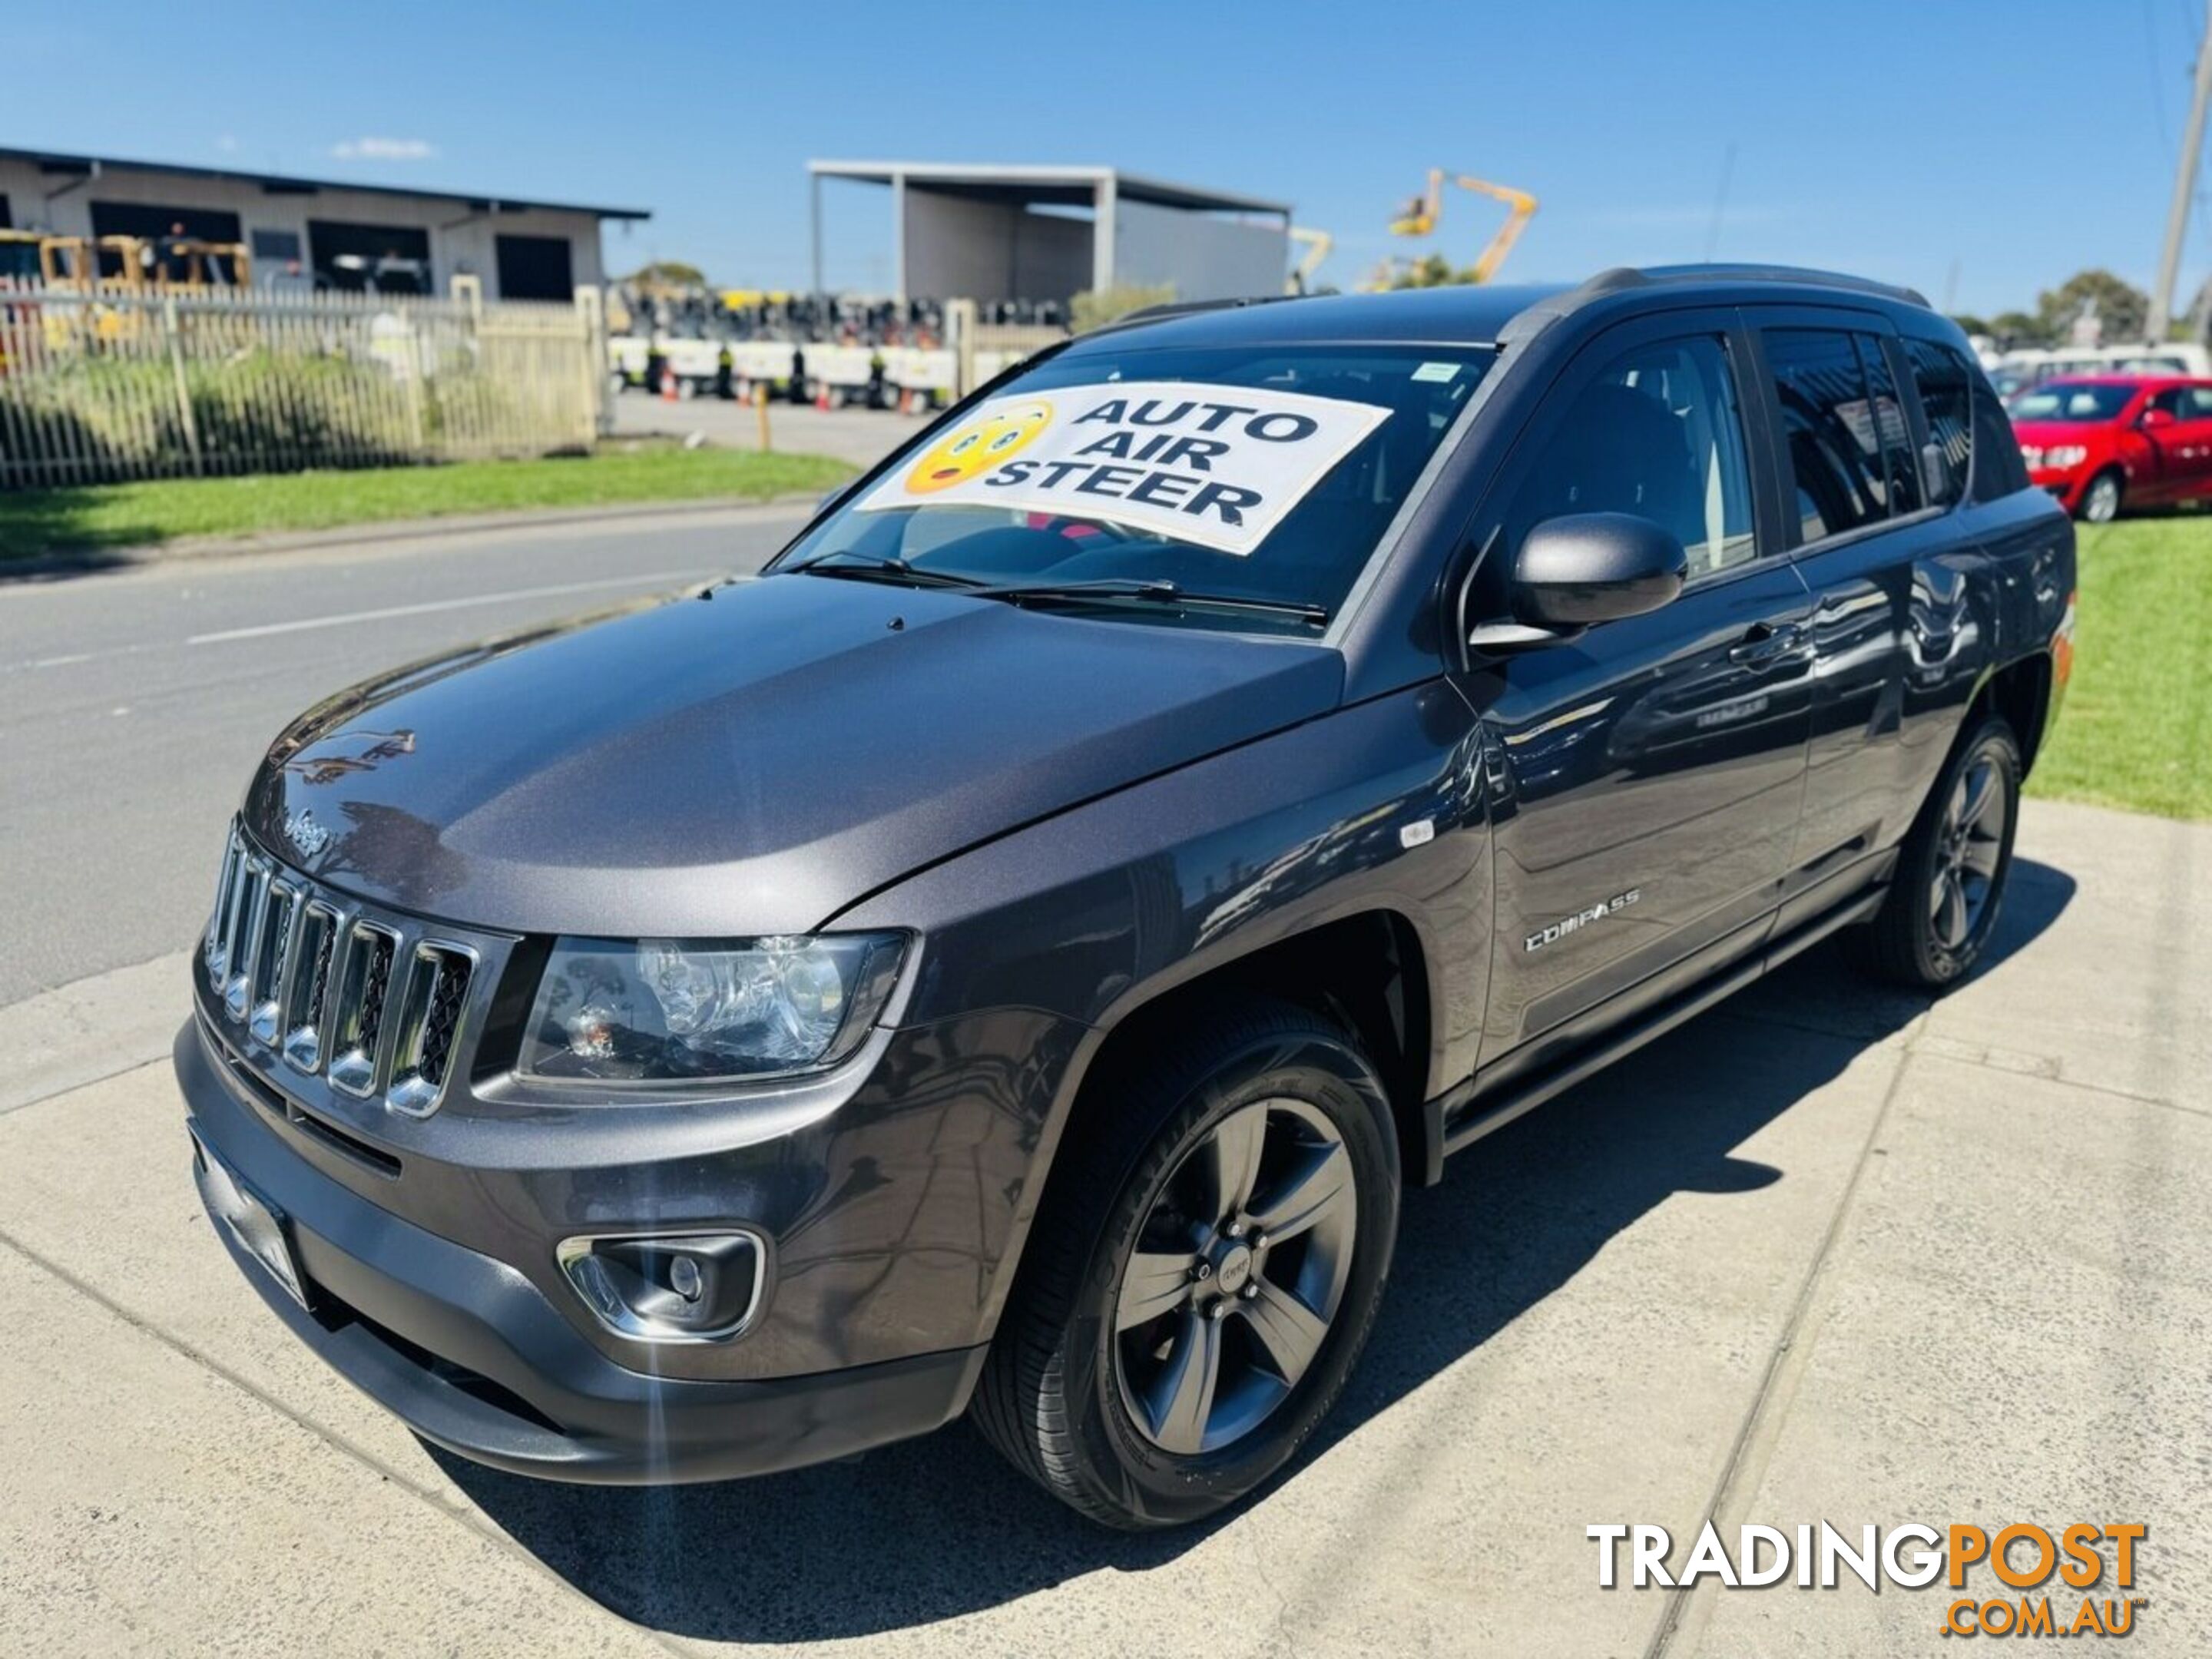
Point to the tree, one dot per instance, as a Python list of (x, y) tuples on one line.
[(2122, 309), (668, 273), (2017, 328), (1971, 324), (1096, 307), (1431, 271)]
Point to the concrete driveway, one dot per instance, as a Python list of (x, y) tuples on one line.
[(1825, 1253)]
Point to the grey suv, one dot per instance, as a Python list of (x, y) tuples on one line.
[(1010, 957)]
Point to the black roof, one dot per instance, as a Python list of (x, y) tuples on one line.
[(1465, 315), (278, 184)]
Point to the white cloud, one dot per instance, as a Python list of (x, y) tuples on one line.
[(385, 149)]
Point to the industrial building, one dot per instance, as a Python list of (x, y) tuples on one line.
[(1041, 233), (322, 233)]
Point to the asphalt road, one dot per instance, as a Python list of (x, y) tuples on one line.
[(135, 702)]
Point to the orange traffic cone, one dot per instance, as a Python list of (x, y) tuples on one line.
[(821, 396), (667, 385)]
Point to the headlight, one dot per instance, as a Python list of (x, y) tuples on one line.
[(2063, 455), (664, 1009)]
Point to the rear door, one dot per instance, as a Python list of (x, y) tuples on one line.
[(1646, 775), (1872, 536)]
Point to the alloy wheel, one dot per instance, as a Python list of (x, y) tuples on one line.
[(1237, 1276), (2102, 504), (1969, 846)]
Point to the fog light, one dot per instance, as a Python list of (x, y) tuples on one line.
[(671, 1287)]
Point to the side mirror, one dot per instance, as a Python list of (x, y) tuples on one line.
[(2150, 419), (1584, 568)]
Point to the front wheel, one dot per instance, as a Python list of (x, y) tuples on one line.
[(1951, 874), (2100, 502), (1205, 1273)]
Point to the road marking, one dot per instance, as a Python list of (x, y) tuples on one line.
[(645, 579)]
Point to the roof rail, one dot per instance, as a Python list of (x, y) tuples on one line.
[(1526, 324), (1620, 277)]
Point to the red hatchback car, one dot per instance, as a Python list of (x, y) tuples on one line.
[(2102, 442)]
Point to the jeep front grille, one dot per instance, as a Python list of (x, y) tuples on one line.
[(364, 1002)]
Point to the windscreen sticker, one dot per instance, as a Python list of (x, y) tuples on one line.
[(1213, 464)]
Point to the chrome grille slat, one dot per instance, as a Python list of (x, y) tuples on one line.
[(372, 950), (214, 950), (428, 1025), (250, 917), (272, 960), (308, 997)]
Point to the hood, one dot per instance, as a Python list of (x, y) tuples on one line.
[(749, 762)]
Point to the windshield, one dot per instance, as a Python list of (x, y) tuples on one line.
[(1264, 473), (2076, 402)]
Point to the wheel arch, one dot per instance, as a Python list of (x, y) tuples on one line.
[(1370, 971)]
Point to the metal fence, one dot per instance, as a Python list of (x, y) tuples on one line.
[(122, 383)]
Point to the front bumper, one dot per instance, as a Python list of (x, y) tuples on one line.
[(470, 1355), (2062, 484)]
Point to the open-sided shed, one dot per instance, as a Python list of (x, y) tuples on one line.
[(1041, 233)]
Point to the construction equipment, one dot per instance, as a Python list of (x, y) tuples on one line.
[(1316, 243), (1420, 217)]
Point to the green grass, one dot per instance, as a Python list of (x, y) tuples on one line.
[(2138, 716), (32, 522)]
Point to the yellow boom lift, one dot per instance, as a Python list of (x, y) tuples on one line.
[(1420, 216), (1316, 243)]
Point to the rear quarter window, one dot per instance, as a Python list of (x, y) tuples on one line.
[(1946, 386), (1998, 471)]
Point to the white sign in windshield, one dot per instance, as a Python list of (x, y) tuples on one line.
[(1218, 466)]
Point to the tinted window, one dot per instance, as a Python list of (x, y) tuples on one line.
[(1998, 470), (1944, 382), (1828, 425), (2199, 406), (2073, 400), (1658, 433), (1890, 432)]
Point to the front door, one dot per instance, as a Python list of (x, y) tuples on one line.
[(1645, 775)]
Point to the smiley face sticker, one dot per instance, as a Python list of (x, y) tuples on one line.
[(976, 448)]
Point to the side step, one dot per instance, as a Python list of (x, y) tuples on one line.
[(1479, 1116)]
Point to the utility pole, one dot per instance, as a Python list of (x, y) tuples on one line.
[(2184, 185)]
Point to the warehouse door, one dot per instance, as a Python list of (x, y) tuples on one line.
[(379, 259)]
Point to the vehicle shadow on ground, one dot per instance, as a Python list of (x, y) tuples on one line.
[(939, 1526)]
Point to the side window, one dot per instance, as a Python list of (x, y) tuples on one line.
[(1658, 433), (2173, 401), (2200, 403), (1892, 434), (1828, 427), (1946, 398)]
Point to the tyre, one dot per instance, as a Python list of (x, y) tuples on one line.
[(2100, 502), (1951, 874), (1205, 1272)]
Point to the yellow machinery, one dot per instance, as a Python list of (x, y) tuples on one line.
[(1316, 243), (1420, 217)]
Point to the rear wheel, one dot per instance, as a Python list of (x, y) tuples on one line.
[(2100, 502), (1206, 1273), (1951, 874)]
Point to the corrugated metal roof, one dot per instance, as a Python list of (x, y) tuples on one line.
[(278, 184)]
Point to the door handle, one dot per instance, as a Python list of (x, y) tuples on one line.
[(1766, 642)]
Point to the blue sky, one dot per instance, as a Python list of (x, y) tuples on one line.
[(1981, 148)]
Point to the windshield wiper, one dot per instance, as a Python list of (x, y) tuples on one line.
[(1159, 591), (868, 568)]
